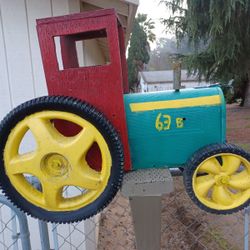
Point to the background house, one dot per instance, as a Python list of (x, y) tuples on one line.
[(163, 80), (21, 71)]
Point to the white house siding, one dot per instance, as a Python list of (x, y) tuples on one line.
[(169, 86), (152, 87), (21, 71)]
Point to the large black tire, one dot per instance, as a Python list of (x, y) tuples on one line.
[(217, 152), (91, 115)]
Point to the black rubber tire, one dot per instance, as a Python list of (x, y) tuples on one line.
[(199, 157), (90, 114)]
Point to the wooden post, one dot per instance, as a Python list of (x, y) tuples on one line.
[(144, 189), (176, 65), (177, 75)]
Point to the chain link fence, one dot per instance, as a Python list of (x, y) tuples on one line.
[(14, 231), (8, 231), (184, 226)]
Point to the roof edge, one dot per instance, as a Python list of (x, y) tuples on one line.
[(135, 2)]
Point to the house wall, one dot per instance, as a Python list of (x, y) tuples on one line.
[(145, 87), (92, 52), (22, 76), (21, 71)]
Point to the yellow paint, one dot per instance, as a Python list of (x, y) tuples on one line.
[(172, 104), (167, 122), (179, 123), (162, 124), (213, 183), (57, 161), (158, 123)]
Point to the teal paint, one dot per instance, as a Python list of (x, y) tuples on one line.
[(151, 148)]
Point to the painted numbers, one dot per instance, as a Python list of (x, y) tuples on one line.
[(179, 122), (163, 122)]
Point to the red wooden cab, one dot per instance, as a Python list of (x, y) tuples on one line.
[(102, 86)]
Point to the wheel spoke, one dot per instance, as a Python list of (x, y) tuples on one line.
[(203, 184), (230, 164), (211, 166), (240, 181), (52, 194), (85, 177), (24, 164), (221, 195), (81, 143), (42, 130)]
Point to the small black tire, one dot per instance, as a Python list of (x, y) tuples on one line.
[(208, 152)]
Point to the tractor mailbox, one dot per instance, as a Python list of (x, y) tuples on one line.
[(89, 130)]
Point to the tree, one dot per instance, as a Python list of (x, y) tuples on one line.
[(161, 56), (138, 53), (223, 28)]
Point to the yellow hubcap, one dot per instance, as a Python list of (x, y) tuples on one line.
[(58, 162), (55, 165), (222, 181)]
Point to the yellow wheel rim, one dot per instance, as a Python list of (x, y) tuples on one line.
[(57, 162), (222, 181)]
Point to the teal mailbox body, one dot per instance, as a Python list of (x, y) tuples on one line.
[(166, 128)]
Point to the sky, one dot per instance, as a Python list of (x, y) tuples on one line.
[(155, 11)]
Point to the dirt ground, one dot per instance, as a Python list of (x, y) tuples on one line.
[(238, 125), (184, 225)]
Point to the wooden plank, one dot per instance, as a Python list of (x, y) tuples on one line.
[(135, 2), (17, 50), (88, 7), (37, 9), (123, 20), (60, 7), (74, 6), (5, 100), (121, 8)]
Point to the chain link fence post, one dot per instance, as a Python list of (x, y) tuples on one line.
[(55, 236), (14, 229), (246, 228), (24, 234), (44, 235)]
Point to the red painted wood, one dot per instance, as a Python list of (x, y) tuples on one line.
[(102, 86), (123, 60), (69, 54)]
